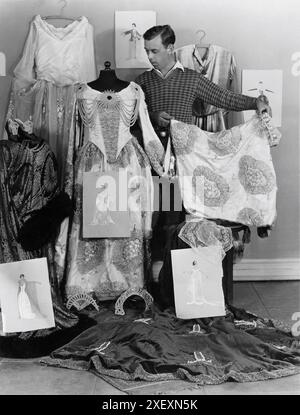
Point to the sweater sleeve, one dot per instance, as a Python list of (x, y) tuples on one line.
[(213, 94)]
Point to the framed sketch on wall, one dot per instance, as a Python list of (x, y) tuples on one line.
[(129, 44), (267, 82)]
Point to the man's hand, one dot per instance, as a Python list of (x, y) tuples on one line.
[(161, 118), (262, 104)]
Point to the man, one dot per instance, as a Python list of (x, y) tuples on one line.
[(170, 89)]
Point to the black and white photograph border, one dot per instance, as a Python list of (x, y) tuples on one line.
[(265, 281)]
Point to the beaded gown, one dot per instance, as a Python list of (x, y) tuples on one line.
[(103, 268)]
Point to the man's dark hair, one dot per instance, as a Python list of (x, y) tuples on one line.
[(166, 33)]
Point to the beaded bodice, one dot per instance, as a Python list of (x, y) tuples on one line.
[(108, 117)]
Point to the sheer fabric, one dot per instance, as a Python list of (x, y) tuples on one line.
[(54, 62)]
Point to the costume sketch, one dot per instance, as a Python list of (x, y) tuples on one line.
[(102, 214), (134, 37), (261, 89), (196, 286), (24, 305)]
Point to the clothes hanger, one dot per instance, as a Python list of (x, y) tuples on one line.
[(201, 47), (200, 44), (59, 16)]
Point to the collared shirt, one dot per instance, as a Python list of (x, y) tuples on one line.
[(177, 65)]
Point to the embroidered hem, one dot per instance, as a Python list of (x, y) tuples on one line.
[(180, 374)]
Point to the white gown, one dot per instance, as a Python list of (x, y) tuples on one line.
[(25, 309), (103, 268), (54, 61)]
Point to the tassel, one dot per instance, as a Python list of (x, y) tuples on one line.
[(238, 250)]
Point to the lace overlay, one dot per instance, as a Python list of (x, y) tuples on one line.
[(156, 155), (255, 176), (202, 232), (212, 188), (250, 216), (183, 138), (226, 142)]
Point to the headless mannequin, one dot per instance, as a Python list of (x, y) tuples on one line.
[(108, 80)]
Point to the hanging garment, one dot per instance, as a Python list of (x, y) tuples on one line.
[(227, 175), (54, 60), (28, 182), (218, 65), (104, 268), (158, 346)]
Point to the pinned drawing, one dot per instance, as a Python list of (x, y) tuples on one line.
[(196, 286), (197, 280), (104, 216), (266, 83), (25, 296), (129, 45)]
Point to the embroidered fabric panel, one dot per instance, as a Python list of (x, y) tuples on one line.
[(227, 175)]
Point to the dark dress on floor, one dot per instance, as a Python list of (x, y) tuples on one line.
[(156, 346)]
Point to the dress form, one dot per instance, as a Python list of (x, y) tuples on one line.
[(108, 80)]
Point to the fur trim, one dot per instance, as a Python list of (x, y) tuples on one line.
[(43, 224)]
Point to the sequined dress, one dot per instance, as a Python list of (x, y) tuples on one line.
[(103, 268)]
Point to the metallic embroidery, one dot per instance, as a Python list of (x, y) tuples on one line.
[(225, 142), (119, 305), (249, 216), (183, 137), (155, 154), (255, 176), (212, 189), (90, 254)]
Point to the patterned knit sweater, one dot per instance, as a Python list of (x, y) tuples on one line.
[(176, 93)]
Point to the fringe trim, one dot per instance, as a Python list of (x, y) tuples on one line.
[(180, 374)]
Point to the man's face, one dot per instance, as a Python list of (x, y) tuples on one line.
[(158, 55)]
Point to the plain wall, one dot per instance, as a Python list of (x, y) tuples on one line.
[(262, 34)]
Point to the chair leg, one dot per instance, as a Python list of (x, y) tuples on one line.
[(227, 281)]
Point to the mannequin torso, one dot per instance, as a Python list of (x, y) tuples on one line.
[(108, 80)]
